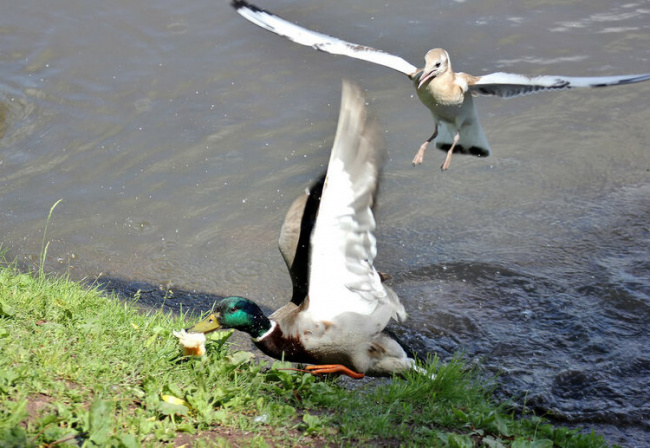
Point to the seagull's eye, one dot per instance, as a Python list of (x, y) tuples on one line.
[(437, 64)]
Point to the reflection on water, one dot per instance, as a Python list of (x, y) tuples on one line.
[(178, 135)]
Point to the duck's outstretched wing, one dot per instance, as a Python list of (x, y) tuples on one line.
[(343, 247), (507, 85), (319, 41), (295, 236)]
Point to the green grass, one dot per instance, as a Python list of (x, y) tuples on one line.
[(79, 368)]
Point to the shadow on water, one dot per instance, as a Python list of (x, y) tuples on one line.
[(191, 303), (573, 349), (156, 296)]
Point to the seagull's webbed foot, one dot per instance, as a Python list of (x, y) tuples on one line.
[(419, 156), (447, 162)]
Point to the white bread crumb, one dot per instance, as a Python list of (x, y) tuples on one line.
[(193, 343)]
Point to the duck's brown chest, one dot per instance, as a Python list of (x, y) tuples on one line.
[(279, 346)]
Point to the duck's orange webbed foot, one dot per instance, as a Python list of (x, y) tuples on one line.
[(333, 368)]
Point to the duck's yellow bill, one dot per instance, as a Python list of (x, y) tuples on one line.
[(211, 323)]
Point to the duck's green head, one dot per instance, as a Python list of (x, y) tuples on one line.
[(234, 312)]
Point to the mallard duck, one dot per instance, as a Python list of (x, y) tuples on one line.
[(447, 94), (340, 306)]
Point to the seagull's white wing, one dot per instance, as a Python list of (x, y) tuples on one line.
[(342, 277), (511, 84), (320, 41)]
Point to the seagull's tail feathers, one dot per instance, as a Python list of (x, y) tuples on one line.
[(472, 140)]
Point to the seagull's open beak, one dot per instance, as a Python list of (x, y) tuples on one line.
[(426, 77), (207, 325)]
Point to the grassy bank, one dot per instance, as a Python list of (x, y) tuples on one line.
[(80, 368)]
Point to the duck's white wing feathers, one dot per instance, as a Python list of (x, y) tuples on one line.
[(342, 276), (319, 41), (511, 84)]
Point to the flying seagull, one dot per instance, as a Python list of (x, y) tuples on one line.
[(447, 94)]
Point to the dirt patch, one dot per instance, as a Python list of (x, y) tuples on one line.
[(236, 438), (36, 404)]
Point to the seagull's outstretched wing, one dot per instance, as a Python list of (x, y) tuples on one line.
[(507, 85), (343, 247), (319, 41)]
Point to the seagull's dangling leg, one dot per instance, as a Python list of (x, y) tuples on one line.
[(419, 156), (447, 162)]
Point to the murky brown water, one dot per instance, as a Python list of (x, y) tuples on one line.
[(177, 135)]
